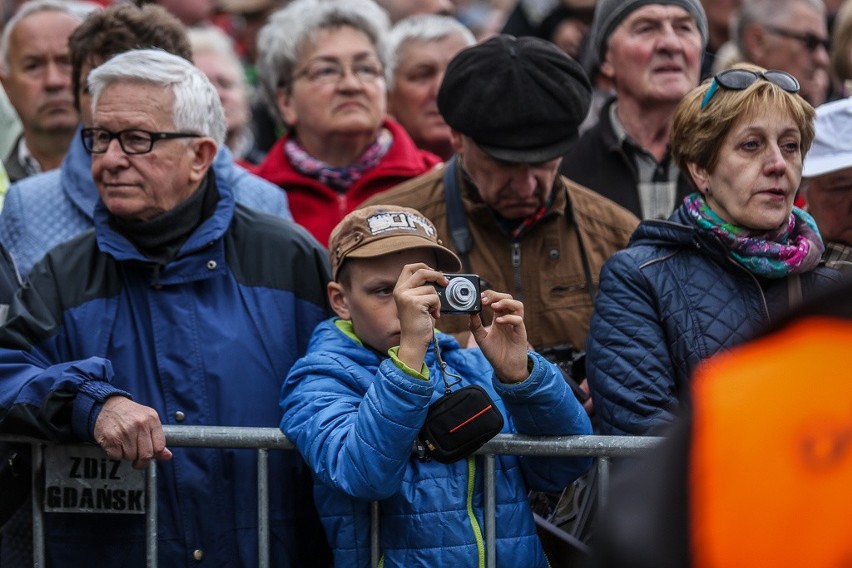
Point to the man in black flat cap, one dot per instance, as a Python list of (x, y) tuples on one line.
[(514, 105)]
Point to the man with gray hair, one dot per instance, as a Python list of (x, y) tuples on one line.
[(789, 35), (35, 71), (46, 209), (419, 49), (651, 52), (181, 307)]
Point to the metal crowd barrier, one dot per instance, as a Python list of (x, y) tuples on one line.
[(264, 439)]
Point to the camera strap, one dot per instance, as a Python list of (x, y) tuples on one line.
[(459, 422), (460, 231), (456, 215), (443, 366)]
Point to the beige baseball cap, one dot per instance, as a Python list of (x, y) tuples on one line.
[(382, 229)]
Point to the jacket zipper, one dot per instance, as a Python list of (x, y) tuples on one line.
[(477, 530), (516, 269)]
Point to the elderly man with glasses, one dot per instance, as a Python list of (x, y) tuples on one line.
[(181, 307), (789, 35), (47, 209)]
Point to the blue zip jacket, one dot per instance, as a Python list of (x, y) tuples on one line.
[(44, 210), (206, 339), (674, 297), (354, 416)]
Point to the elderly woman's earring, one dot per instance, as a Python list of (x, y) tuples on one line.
[(707, 190)]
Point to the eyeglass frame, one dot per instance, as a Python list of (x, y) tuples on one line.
[(86, 134), (811, 40), (342, 69), (765, 75)]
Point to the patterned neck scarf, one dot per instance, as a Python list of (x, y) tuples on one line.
[(794, 248), (338, 178), (527, 224)]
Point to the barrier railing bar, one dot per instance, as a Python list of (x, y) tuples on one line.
[(39, 557), (564, 446), (603, 482), (265, 439), (263, 507), (490, 512), (375, 551), (226, 437), (153, 530), (514, 444)]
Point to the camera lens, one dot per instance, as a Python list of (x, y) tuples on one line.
[(460, 294)]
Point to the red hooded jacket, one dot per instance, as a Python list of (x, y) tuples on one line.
[(318, 207)]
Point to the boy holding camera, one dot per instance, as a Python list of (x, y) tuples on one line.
[(357, 403)]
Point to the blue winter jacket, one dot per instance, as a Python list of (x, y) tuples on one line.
[(44, 210), (206, 339), (671, 299), (354, 417)]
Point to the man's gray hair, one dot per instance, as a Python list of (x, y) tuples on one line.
[(78, 10), (197, 108), (768, 13), (424, 27), (288, 30), (211, 39)]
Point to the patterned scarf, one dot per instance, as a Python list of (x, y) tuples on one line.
[(530, 221), (795, 248), (338, 178)]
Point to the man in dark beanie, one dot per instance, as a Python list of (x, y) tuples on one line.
[(513, 106), (651, 51)]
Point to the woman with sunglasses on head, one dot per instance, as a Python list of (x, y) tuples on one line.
[(322, 65), (734, 256)]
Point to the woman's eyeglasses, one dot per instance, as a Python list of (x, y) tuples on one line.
[(327, 72), (739, 79)]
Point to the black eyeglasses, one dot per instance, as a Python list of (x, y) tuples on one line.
[(812, 42), (739, 79), (132, 141)]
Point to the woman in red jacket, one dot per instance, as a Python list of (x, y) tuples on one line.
[(323, 64)]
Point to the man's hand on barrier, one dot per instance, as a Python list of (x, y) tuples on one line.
[(130, 431), (588, 405)]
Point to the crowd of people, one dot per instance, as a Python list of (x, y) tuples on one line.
[(394, 229)]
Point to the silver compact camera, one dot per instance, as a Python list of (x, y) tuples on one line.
[(461, 295)]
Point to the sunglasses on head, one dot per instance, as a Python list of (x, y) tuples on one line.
[(739, 79)]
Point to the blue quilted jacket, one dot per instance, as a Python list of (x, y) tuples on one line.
[(44, 210), (354, 417), (669, 300), (205, 339)]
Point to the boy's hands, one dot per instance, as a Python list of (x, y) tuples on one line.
[(418, 306), (504, 343)]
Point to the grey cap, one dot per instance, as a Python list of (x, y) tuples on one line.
[(610, 13)]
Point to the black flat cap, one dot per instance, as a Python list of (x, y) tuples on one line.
[(519, 99)]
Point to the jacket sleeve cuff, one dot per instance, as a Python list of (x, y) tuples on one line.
[(423, 374), (88, 405), (528, 386)]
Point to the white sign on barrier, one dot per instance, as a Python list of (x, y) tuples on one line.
[(84, 480)]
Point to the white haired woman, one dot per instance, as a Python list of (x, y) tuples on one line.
[(323, 63)]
